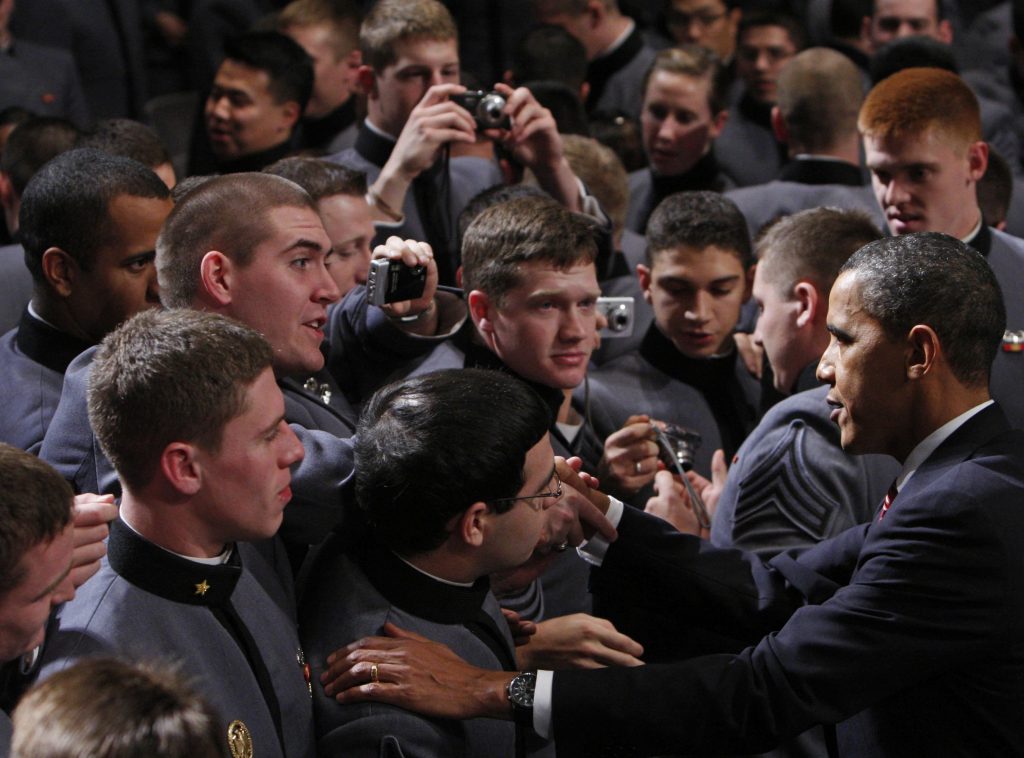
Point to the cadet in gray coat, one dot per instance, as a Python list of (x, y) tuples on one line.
[(819, 95), (454, 474), (186, 406), (35, 567), (791, 484)]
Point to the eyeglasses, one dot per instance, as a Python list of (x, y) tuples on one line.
[(530, 499), (703, 19)]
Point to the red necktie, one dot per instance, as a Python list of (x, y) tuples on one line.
[(889, 497)]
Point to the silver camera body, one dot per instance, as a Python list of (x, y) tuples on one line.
[(620, 312)]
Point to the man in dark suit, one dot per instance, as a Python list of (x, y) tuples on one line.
[(905, 632)]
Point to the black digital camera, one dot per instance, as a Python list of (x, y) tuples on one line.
[(487, 108), (392, 281)]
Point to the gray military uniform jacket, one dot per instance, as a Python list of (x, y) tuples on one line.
[(230, 628), (351, 592), (791, 484)]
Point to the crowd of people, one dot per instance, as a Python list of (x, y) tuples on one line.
[(519, 378)]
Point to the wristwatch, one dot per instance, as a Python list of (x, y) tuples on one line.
[(520, 694)]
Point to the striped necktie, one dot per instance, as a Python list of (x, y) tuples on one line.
[(889, 497)]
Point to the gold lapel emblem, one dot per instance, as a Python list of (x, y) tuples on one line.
[(239, 740), (201, 588)]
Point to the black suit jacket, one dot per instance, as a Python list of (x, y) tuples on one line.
[(907, 630)]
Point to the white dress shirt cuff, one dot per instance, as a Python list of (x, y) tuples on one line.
[(594, 549), (542, 704)]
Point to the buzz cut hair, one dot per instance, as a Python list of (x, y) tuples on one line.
[(811, 244), (915, 100), (392, 21), (227, 213), (342, 17)]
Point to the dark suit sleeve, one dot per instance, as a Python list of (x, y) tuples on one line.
[(725, 590), (930, 596)]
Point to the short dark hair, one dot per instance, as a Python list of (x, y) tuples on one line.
[(812, 244), (127, 138), (549, 52), (768, 17), (911, 52), (940, 11), (1018, 19), (320, 178), (32, 143), (226, 213), (429, 447), (285, 62), (170, 376), (114, 709), (521, 230), (35, 507), (846, 16), (699, 220), (66, 204), (934, 279)]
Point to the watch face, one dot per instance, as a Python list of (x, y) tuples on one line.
[(520, 689)]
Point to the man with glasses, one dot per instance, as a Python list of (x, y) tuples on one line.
[(711, 24), (454, 474)]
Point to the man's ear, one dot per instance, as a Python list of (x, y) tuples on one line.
[(292, 112), (809, 303), (6, 189), (481, 311), (216, 274), (944, 31), (366, 81), (865, 31), (977, 160), (643, 273), (718, 124), (469, 527), (181, 468), (60, 270), (925, 349), (748, 281)]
